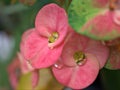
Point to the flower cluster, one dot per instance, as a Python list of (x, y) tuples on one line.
[(75, 59)]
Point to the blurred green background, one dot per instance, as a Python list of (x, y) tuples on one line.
[(15, 18)]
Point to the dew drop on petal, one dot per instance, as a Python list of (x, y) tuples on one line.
[(58, 65), (82, 63)]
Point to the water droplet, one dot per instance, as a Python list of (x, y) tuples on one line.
[(58, 65), (82, 62)]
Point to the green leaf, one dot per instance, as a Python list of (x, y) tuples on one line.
[(81, 11), (81, 14)]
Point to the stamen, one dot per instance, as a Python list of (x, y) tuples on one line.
[(54, 36), (79, 57)]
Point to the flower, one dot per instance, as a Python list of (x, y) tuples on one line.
[(107, 23), (80, 61), (26, 67), (104, 26), (42, 46), (14, 72), (20, 66), (97, 19)]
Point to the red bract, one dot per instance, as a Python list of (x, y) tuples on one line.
[(104, 26), (100, 3), (19, 63), (14, 72), (78, 77), (26, 68), (81, 60), (50, 19), (43, 45), (86, 45)]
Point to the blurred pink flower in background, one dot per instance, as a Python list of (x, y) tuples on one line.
[(18, 67), (26, 68), (14, 72)]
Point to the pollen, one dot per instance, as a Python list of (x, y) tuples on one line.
[(79, 57), (54, 36)]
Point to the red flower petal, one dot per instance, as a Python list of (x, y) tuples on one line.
[(52, 18), (35, 49), (13, 73), (25, 66), (32, 44), (86, 45), (35, 78), (78, 77), (99, 50), (103, 27), (76, 42)]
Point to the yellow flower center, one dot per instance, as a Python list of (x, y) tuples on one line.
[(79, 57), (54, 36)]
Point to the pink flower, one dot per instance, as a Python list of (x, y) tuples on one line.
[(24, 67), (52, 23), (100, 21), (43, 45), (14, 72), (104, 26), (80, 61)]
